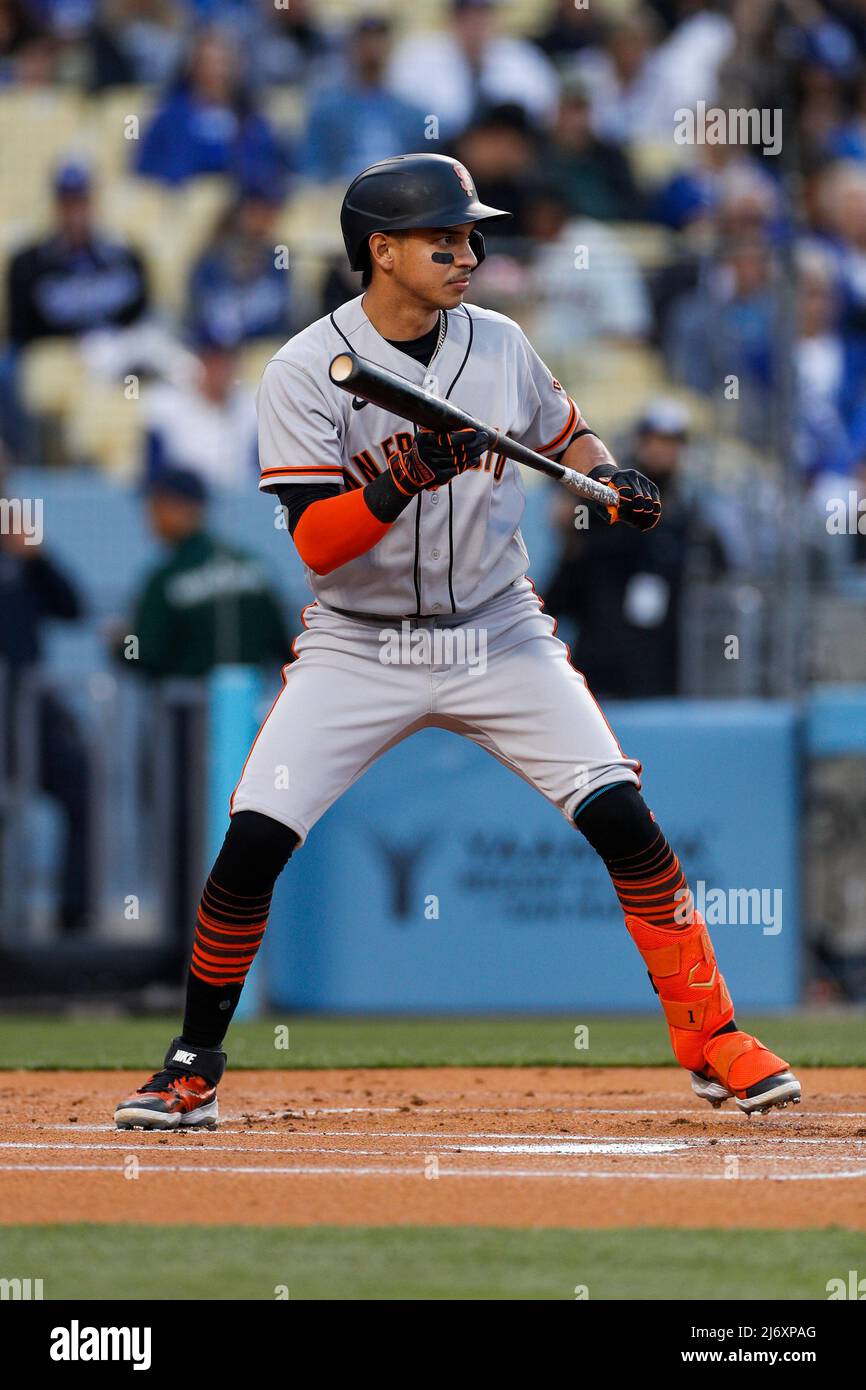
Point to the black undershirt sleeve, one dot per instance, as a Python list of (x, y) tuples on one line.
[(295, 498)]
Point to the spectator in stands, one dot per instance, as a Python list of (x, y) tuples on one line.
[(594, 176), (621, 79), (208, 124), (357, 121), (501, 150), (27, 50), (585, 284), (842, 209), (455, 73), (705, 187), (628, 626), (135, 41), (570, 28), (33, 590), (638, 82), (720, 336), (830, 432), (289, 45), (208, 603), (76, 279), (208, 428), (240, 288)]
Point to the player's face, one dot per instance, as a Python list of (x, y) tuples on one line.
[(439, 283)]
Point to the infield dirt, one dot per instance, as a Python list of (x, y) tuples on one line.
[(519, 1147)]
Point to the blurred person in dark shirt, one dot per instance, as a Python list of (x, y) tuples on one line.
[(338, 284), (33, 590), (208, 123), (207, 603), (134, 41), (569, 29), (239, 289), (593, 176), (288, 44), (76, 279), (27, 49), (356, 121), (625, 593), (502, 151)]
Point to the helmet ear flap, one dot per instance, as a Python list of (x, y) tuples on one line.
[(476, 242)]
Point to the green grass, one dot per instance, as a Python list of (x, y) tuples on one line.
[(79, 1041), (326, 1262)]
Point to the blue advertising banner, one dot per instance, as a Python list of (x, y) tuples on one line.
[(442, 882)]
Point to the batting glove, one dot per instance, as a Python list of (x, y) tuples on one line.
[(639, 501), (435, 458)]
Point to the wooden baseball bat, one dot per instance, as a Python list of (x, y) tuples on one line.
[(394, 393)]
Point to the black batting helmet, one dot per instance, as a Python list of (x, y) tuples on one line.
[(411, 190)]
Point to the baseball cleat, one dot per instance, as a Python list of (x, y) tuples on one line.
[(181, 1096), (775, 1091), (779, 1090), (708, 1089)]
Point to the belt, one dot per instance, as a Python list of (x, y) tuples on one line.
[(389, 619)]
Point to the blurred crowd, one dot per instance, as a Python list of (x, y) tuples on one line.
[(701, 297), (703, 262), (641, 263)]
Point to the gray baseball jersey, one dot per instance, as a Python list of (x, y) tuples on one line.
[(482, 658), (453, 548)]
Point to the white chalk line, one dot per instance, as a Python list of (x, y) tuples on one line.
[(539, 1143), (684, 1111), (569, 1175)]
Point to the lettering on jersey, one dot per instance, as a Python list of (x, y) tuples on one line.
[(398, 445), (366, 465), (555, 384), (492, 461)]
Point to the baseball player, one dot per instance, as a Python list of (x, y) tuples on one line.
[(417, 533)]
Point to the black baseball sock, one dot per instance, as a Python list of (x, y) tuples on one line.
[(231, 922)]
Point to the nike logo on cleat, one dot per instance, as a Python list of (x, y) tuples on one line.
[(185, 1057)]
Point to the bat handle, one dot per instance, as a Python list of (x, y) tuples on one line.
[(591, 490)]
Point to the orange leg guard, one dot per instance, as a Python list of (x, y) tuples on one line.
[(682, 966)]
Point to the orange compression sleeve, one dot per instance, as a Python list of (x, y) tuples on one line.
[(337, 529)]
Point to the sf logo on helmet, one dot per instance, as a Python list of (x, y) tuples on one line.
[(465, 181)]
